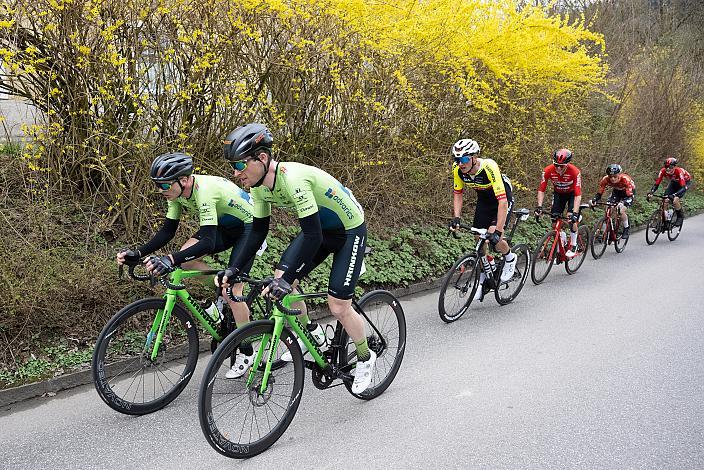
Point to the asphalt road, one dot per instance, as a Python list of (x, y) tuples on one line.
[(602, 369)]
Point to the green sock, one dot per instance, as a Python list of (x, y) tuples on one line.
[(362, 350)]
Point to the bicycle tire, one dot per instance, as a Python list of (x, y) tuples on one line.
[(572, 265), (600, 238), (387, 340), (520, 276), (116, 354), (219, 398), (674, 227), (620, 243), (457, 281), (539, 258), (652, 230)]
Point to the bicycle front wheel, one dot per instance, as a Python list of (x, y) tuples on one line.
[(385, 326), (572, 265), (124, 373), (600, 238), (236, 417), (674, 227), (652, 231), (543, 258), (458, 288), (509, 290), (620, 243)]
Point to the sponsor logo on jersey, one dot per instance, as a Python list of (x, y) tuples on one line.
[(332, 194)]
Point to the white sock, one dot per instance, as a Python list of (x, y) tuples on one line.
[(482, 277), (573, 238), (625, 224), (510, 256)]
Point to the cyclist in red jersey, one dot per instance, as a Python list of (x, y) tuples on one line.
[(567, 191), (680, 180), (623, 193)]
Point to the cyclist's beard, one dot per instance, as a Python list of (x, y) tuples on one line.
[(266, 171)]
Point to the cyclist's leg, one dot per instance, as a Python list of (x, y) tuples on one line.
[(347, 260), (234, 239), (570, 202)]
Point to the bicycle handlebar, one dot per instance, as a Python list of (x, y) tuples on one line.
[(259, 284)]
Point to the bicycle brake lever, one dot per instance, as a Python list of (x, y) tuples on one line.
[(120, 271), (152, 280)]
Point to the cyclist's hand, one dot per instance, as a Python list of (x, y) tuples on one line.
[(648, 196), (574, 218), (592, 202), (129, 257), (222, 279), (671, 197), (494, 238), (538, 211), (160, 265), (278, 288), (454, 224)]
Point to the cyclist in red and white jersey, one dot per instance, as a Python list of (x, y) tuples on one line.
[(680, 180), (567, 191), (623, 193)]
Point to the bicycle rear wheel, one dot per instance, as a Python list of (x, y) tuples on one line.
[(124, 374), (652, 231), (239, 420), (600, 238), (543, 258), (572, 265), (674, 227), (385, 326), (458, 288), (620, 243), (509, 290)]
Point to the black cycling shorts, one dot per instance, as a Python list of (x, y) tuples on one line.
[(619, 195), (560, 201), (675, 186), (230, 237), (485, 214), (347, 249)]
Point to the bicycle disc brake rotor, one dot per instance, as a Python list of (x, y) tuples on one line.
[(260, 399)]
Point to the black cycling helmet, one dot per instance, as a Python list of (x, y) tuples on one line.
[(246, 140), (170, 166), (670, 162), (562, 156), (613, 169)]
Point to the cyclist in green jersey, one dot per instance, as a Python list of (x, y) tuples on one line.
[(225, 216), (331, 220)]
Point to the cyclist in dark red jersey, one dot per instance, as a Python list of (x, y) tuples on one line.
[(567, 192), (680, 180), (623, 193)]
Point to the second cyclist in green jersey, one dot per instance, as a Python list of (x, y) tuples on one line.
[(331, 221)]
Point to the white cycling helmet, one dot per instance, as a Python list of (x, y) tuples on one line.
[(465, 148)]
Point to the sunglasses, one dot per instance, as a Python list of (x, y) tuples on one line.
[(165, 186), (239, 165), (462, 160), (560, 165)]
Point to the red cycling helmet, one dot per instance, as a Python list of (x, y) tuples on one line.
[(670, 162), (562, 156)]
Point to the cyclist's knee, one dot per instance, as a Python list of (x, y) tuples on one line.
[(340, 308)]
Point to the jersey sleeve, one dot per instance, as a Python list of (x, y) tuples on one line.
[(173, 210), (661, 174), (261, 207), (458, 186), (577, 182), (543, 181), (630, 186), (497, 183), (207, 207), (602, 184), (682, 179)]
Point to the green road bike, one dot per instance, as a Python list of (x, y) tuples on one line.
[(243, 417), (147, 352)]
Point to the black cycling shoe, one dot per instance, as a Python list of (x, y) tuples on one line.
[(626, 233)]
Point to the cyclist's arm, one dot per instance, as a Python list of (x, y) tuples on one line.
[(541, 196), (457, 204), (165, 234), (250, 245), (682, 180), (501, 215), (312, 238), (542, 187), (602, 187), (658, 180), (577, 187)]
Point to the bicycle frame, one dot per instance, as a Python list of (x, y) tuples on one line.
[(557, 227), (161, 320), (281, 319), (611, 226)]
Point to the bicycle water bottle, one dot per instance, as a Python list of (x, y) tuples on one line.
[(492, 264), (214, 312), (668, 214), (563, 238)]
